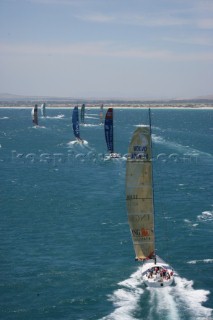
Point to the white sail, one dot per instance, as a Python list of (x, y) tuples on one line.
[(43, 110), (140, 205), (139, 194)]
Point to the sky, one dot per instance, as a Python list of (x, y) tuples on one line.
[(130, 49)]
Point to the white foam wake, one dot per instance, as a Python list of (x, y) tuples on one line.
[(78, 143), (89, 125), (171, 303), (163, 303), (180, 148), (179, 301), (38, 127), (190, 300), (59, 116), (126, 299), (89, 117)]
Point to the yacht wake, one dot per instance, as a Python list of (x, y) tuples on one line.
[(126, 299), (59, 116), (186, 150), (181, 301), (190, 300)]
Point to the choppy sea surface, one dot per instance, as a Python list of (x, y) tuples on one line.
[(65, 245)]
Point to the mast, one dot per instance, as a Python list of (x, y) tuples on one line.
[(153, 193)]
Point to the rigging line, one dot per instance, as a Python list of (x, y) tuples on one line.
[(165, 234), (153, 195)]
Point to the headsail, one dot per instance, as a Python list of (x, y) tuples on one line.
[(75, 123), (139, 193), (82, 113), (43, 110), (108, 128), (35, 114)]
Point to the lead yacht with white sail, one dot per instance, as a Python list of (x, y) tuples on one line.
[(140, 207)]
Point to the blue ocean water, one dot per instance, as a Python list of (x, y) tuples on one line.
[(66, 250)]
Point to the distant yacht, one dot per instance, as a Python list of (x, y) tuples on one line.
[(108, 128), (34, 113), (75, 125), (43, 110), (83, 113), (101, 113)]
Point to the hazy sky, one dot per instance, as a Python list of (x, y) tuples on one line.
[(107, 48)]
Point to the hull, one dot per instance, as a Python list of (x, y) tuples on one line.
[(114, 155), (157, 275)]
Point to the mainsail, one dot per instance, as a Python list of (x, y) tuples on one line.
[(82, 113), (108, 128), (43, 110), (35, 114), (75, 123), (139, 193)]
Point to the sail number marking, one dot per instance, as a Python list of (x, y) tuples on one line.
[(142, 156), (140, 148), (144, 233), (132, 196), (139, 152)]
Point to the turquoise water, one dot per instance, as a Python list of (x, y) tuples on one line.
[(66, 250)]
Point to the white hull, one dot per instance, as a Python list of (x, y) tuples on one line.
[(114, 155), (157, 275)]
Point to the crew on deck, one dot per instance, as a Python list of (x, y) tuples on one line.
[(159, 273)]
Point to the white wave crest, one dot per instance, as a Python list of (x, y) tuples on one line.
[(3, 118), (200, 261), (190, 223), (206, 216)]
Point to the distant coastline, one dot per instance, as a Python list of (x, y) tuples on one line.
[(16, 101), (90, 105)]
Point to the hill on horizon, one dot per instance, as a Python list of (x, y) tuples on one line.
[(16, 97)]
